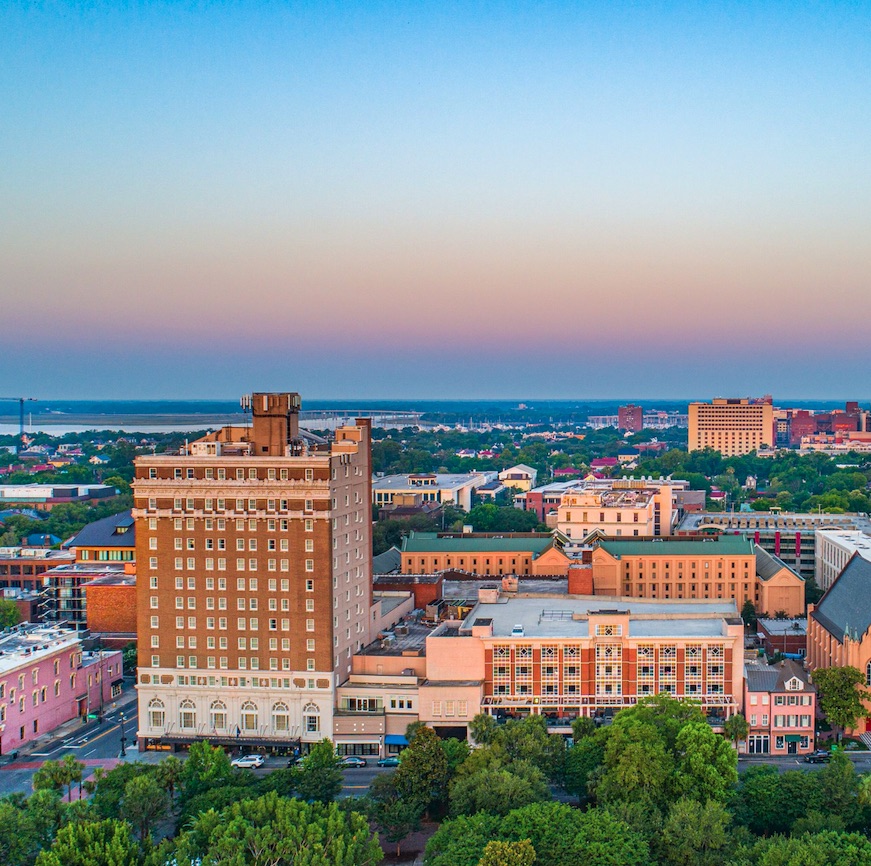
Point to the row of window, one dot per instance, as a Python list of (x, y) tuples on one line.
[(272, 544), (248, 721), (253, 585), (242, 662), (573, 651), (210, 473), (190, 564), (237, 506)]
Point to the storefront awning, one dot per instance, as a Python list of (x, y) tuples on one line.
[(793, 738), (395, 740)]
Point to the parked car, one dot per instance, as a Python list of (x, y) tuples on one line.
[(820, 756), (389, 762), (251, 762), (352, 762), (294, 761)]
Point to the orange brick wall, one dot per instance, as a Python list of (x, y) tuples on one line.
[(112, 608)]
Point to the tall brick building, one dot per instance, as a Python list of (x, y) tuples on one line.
[(253, 550)]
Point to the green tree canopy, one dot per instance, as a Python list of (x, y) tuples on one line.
[(93, 843), (841, 694), (275, 831), (320, 774)]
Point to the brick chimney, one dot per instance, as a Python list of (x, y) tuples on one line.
[(581, 580)]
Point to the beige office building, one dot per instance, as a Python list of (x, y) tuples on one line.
[(731, 426)]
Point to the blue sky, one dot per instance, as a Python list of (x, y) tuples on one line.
[(460, 200)]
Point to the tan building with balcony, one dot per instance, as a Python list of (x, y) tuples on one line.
[(253, 551)]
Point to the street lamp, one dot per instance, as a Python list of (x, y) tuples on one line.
[(123, 738)]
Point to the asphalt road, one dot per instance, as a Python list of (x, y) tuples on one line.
[(95, 745), (861, 761)]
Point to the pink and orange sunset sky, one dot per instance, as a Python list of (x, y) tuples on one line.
[(573, 200)]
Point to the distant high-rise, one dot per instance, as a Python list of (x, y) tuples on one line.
[(731, 427), (630, 418), (254, 547)]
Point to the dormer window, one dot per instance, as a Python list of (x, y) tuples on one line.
[(794, 685)]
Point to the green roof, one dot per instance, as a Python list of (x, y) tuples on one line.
[(721, 545), (429, 542)]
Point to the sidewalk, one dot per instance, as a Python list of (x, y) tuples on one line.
[(74, 727)]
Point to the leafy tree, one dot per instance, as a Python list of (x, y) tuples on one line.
[(111, 786), (498, 518), (748, 613), (694, 834), (582, 762), (483, 729), (394, 817), (841, 694), (499, 853), (583, 726), (206, 767), (49, 777), (839, 787), (736, 728), (829, 848), (275, 831), (497, 791), (707, 765), (169, 773), (461, 841), (93, 843), (320, 774), (145, 803), (637, 766), (72, 771), (456, 751), (18, 839), (422, 776), (563, 836), (9, 613)]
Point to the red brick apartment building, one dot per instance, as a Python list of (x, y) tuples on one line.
[(253, 552)]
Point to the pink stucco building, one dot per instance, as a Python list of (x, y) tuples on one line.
[(46, 679), (780, 708)]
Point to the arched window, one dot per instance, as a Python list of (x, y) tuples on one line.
[(218, 715), (187, 714), (311, 719), (280, 717), (156, 713), (249, 716)]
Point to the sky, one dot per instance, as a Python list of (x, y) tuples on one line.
[(459, 200)]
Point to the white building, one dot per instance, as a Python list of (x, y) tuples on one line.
[(432, 486), (834, 548)]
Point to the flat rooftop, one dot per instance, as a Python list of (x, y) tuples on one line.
[(433, 542), (23, 554), (457, 589), (556, 618), (430, 482), (752, 520), (30, 642), (413, 643), (797, 627)]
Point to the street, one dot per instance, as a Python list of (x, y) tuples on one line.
[(95, 745), (99, 745)]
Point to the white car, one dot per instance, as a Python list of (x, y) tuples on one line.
[(251, 762)]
